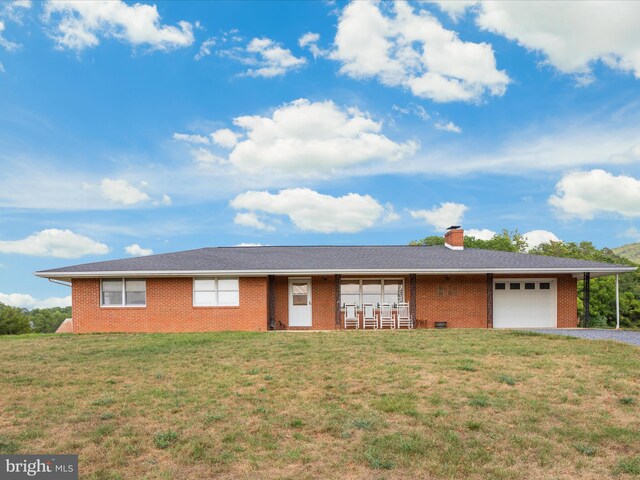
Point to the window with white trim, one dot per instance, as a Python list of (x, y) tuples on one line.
[(216, 292), (123, 292), (369, 290)]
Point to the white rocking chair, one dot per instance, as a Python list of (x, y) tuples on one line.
[(404, 316), (386, 316), (369, 316), (351, 317)]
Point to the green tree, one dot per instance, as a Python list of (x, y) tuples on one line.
[(13, 320), (505, 241), (47, 320), (602, 304)]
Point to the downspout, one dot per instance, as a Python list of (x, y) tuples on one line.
[(489, 300), (59, 282), (337, 300)]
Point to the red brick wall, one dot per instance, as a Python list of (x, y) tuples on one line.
[(169, 309), (464, 304), (468, 307), (323, 314), (169, 305)]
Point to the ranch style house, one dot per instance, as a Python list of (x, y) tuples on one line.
[(326, 288)]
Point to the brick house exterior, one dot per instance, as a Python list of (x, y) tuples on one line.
[(260, 288)]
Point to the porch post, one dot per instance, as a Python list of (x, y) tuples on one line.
[(337, 300), (271, 302), (586, 298), (489, 300), (412, 298), (617, 304)]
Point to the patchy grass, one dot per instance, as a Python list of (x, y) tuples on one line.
[(421, 404)]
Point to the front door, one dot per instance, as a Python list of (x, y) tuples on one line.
[(300, 303)]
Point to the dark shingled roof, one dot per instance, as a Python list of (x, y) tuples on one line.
[(334, 258)]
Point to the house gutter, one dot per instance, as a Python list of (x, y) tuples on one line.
[(598, 271)]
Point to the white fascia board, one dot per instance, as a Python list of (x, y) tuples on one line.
[(264, 273)]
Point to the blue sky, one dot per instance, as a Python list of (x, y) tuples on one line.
[(135, 129)]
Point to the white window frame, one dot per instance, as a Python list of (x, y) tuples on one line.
[(123, 280), (381, 279), (216, 292)]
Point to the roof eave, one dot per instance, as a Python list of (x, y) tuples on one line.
[(599, 271)]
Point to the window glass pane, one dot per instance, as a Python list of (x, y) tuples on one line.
[(393, 293), (228, 284), (545, 286), (500, 286), (204, 298), (112, 298), (300, 293), (350, 292), (112, 285), (372, 291), (135, 285), (529, 286), (230, 299), (112, 292), (135, 298), (514, 286), (205, 284)]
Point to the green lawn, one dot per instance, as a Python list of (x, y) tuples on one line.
[(423, 404)]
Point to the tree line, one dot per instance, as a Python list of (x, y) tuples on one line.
[(15, 320), (602, 306)]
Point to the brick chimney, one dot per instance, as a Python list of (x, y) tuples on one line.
[(454, 238)]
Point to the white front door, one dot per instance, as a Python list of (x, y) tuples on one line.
[(300, 303), (524, 303)]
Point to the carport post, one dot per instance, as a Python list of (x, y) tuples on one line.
[(585, 300), (617, 304)]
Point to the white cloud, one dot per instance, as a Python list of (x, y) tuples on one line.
[(54, 243), (270, 59), (416, 52), (4, 43), (571, 35), (570, 145), (448, 127), (455, 9), (205, 157), (629, 156), (166, 200), (2, 70), (538, 237), (250, 219), (633, 233), (23, 300), (246, 244), (313, 211), (79, 25), (313, 138), (205, 49), (196, 139), (225, 138), (122, 192), (442, 217), (136, 250), (310, 40), (587, 194), (481, 234)]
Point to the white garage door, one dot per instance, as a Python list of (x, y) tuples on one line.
[(524, 303)]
